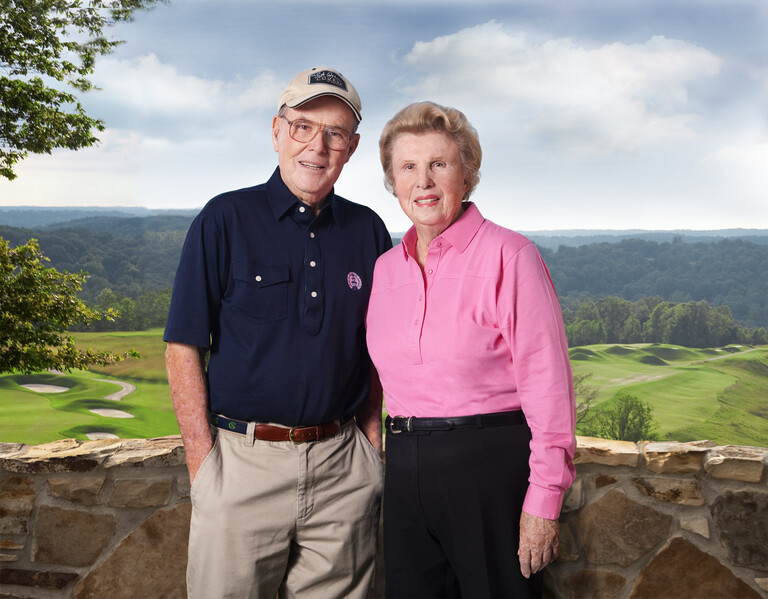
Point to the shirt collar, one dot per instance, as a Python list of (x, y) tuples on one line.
[(281, 200), (459, 234)]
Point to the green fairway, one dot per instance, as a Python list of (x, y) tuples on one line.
[(34, 417), (716, 394)]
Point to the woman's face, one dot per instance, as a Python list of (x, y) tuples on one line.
[(429, 180)]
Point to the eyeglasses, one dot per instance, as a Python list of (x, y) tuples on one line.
[(305, 131)]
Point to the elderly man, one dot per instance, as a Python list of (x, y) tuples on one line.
[(277, 403)]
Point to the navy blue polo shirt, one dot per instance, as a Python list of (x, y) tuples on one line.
[(279, 298)]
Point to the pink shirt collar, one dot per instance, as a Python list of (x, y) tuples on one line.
[(459, 234)]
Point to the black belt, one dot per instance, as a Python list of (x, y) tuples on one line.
[(400, 424)]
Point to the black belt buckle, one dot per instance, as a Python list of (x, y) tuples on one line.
[(408, 424)]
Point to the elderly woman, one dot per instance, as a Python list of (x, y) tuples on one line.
[(466, 332)]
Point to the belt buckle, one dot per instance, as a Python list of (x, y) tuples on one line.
[(296, 441), (408, 424)]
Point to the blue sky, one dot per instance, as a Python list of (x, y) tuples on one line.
[(620, 114)]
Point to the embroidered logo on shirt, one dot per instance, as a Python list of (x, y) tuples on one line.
[(354, 281)]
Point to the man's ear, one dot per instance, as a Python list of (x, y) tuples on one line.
[(353, 143), (277, 122)]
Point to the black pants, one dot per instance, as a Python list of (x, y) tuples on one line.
[(452, 503)]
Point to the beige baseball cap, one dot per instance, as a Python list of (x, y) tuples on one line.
[(320, 81)]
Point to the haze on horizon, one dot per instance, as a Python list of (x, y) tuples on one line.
[(643, 114)]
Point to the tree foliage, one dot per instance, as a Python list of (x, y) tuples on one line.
[(729, 272), (585, 395), (627, 418), (38, 304), (48, 48), (652, 320)]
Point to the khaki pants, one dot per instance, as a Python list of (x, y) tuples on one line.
[(270, 517)]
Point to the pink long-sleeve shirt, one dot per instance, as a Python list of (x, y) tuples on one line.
[(480, 330)]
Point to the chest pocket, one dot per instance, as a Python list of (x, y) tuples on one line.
[(260, 291)]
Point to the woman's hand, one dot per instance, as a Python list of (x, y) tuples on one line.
[(539, 543)]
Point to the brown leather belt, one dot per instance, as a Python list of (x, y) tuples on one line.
[(270, 432)]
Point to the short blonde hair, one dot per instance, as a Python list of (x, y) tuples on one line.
[(427, 117)]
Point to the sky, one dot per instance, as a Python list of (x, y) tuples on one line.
[(598, 114)]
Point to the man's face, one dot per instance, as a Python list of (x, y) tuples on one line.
[(311, 169)]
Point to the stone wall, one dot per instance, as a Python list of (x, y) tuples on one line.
[(109, 519)]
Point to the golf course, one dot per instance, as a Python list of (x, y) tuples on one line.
[(719, 394)]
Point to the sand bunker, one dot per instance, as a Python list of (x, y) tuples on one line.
[(112, 413), (97, 436), (125, 389), (46, 388)]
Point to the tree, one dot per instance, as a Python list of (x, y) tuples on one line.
[(44, 43), (585, 395), (626, 419), (37, 306)]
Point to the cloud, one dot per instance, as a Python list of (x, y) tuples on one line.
[(602, 98), (146, 94)]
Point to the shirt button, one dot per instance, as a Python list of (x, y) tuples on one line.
[(430, 271), (311, 234), (313, 294), (437, 244), (421, 298), (302, 209), (313, 263), (258, 277), (416, 323)]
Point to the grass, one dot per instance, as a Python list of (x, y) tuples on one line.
[(40, 417), (716, 394), (720, 394)]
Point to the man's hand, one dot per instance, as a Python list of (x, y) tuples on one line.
[(539, 543), (368, 417)]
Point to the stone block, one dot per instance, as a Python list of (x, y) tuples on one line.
[(9, 557), (569, 550), (36, 578), (183, 487), (141, 493), (762, 583), (736, 463), (683, 491), (162, 452), (682, 571), (700, 526), (70, 537), (150, 562), (17, 499), (604, 480), (741, 520), (617, 530), (674, 458), (83, 490), (574, 497), (590, 450), (595, 584)]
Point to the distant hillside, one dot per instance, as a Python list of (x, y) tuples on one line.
[(41, 216), (137, 251), (578, 237)]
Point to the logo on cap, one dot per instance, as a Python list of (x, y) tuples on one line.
[(329, 78), (354, 281)]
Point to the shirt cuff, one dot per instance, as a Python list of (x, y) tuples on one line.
[(543, 503)]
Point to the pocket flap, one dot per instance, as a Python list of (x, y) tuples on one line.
[(261, 275)]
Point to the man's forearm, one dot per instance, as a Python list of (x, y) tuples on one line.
[(368, 417), (186, 377)]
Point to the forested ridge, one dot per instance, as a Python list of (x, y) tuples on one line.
[(729, 272), (132, 260)]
